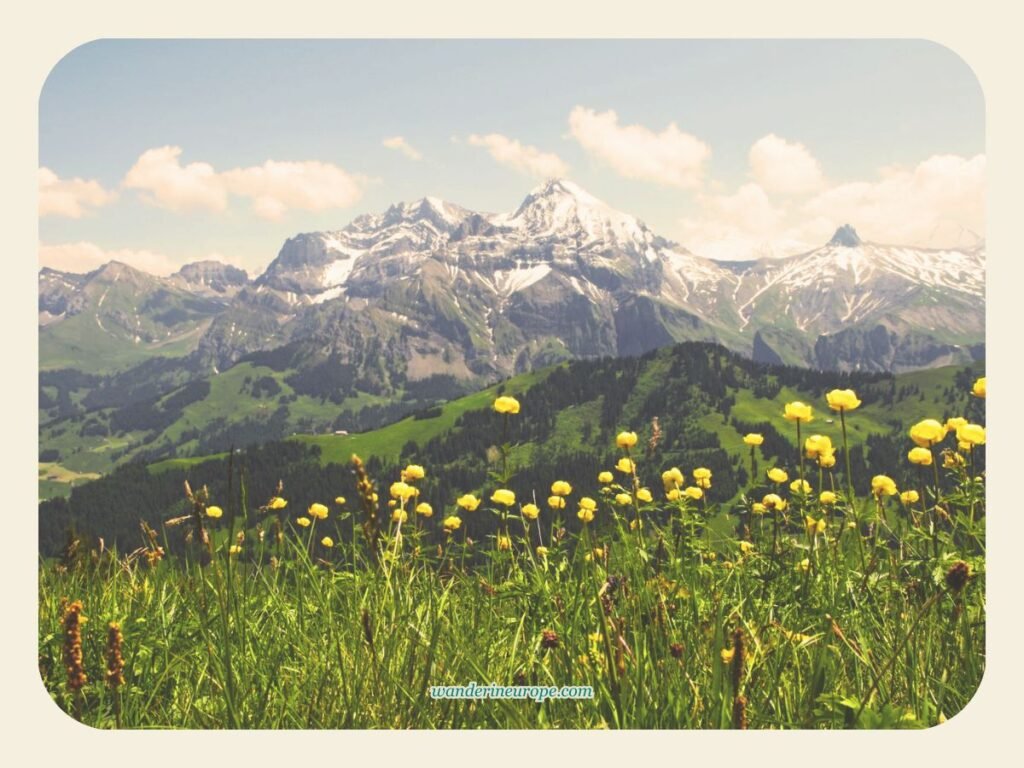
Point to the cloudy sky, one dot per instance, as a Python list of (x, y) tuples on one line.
[(158, 153)]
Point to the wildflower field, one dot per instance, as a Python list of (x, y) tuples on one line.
[(813, 605)]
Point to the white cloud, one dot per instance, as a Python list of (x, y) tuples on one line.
[(930, 204), (671, 158), (85, 257), (277, 187), (938, 203), (743, 224), (164, 182), (520, 157), (399, 143), (69, 197), (784, 167), (274, 188)]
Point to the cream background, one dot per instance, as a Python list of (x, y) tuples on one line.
[(984, 33)]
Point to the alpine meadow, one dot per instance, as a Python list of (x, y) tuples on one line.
[(547, 468)]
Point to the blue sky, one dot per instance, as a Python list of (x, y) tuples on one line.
[(730, 147)]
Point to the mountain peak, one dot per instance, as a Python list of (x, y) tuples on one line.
[(559, 205), (440, 212), (564, 188), (211, 274), (846, 236)]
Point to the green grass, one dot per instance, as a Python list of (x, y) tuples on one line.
[(78, 342), (387, 442), (835, 630)]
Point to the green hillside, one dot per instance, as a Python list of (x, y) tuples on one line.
[(703, 397)]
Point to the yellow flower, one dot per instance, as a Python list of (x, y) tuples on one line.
[(634, 524), (340, 501), (753, 439), (827, 460), (694, 493), (504, 497), (304, 522), (423, 509), (672, 478), (882, 485), (827, 498), (605, 477), (797, 411), (972, 434), (327, 541), (816, 445), (623, 499), (542, 551), (978, 390), (402, 491), (800, 486), (413, 472), (746, 547), (777, 475), (451, 523), (927, 433), (842, 400), (399, 516), (727, 654), (815, 526), (506, 404), (673, 495), (561, 488), (626, 439), (626, 465), (758, 508), (556, 502), (586, 515), (588, 503), (234, 549), (920, 456), (953, 423), (702, 473), (319, 511), (468, 502), (644, 495), (504, 543), (530, 511), (804, 565), (910, 497), (774, 501), (277, 503), (214, 512)]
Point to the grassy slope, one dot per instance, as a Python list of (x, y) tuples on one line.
[(226, 400), (387, 442), (75, 343), (874, 419)]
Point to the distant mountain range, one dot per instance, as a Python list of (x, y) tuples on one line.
[(397, 311), (442, 289)]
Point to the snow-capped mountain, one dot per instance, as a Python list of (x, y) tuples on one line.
[(430, 287)]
